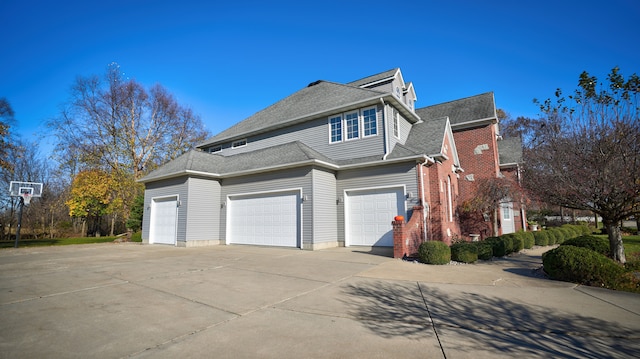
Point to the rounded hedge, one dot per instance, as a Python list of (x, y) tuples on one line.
[(583, 266), (597, 244), (464, 252), (553, 236), (541, 238), (434, 252), (485, 250), (529, 240), (497, 246)]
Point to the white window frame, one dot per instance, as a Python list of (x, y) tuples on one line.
[(339, 123), (450, 199), (239, 143), (396, 124), (348, 134), (215, 149), (375, 122)]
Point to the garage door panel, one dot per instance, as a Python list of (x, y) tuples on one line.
[(269, 219), (164, 216), (369, 216)]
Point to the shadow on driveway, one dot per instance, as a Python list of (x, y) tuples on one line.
[(469, 323)]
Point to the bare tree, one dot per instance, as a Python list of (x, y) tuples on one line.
[(586, 152), (113, 123)]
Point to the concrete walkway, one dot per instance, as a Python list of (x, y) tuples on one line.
[(139, 301)]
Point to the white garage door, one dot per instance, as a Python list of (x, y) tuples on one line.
[(271, 219), (164, 212), (369, 214)]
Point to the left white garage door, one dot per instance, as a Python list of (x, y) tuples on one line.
[(164, 214), (271, 219)]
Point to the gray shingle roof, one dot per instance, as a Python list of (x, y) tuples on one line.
[(510, 150), (216, 165), (310, 101), (374, 78), (427, 137), (474, 108)]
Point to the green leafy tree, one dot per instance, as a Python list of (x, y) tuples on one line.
[(585, 153), (135, 220)]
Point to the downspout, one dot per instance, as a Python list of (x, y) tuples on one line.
[(385, 130), (425, 204)]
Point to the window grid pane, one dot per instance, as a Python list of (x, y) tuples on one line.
[(353, 130), (370, 123), (336, 129), (396, 125)]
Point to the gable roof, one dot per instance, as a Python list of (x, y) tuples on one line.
[(369, 80), (510, 151), (464, 112), (428, 138), (319, 98)]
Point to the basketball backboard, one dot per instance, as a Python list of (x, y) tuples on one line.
[(18, 189)]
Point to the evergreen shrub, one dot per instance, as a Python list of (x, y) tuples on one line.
[(583, 266), (465, 252), (594, 243), (528, 240), (434, 252), (485, 250), (541, 238), (497, 246)]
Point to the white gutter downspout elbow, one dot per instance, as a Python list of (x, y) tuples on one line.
[(385, 130)]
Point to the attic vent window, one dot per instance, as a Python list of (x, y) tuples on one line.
[(239, 143), (215, 149)]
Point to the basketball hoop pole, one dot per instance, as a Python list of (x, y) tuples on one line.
[(20, 206)]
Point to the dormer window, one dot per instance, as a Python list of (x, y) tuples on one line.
[(215, 149), (397, 91), (239, 143)]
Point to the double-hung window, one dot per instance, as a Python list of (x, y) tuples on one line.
[(369, 122), (335, 125), (353, 125)]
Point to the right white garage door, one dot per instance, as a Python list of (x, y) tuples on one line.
[(369, 214)]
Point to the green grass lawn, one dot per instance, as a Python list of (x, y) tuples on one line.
[(631, 245), (62, 241)]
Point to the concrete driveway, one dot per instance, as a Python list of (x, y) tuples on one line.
[(138, 301)]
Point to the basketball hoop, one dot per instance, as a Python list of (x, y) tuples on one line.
[(26, 197)]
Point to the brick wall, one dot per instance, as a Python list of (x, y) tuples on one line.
[(478, 152), (407, 237)]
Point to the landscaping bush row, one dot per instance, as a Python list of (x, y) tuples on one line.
[(435, 252), (584, 260)]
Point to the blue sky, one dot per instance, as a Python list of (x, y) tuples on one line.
[(229, 59)]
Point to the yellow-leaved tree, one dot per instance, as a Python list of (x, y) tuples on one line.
[(92, 196)]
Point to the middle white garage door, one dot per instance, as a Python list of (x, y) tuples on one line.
[(271, 219), (369, 214)]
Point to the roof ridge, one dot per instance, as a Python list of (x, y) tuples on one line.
[(456, 100)]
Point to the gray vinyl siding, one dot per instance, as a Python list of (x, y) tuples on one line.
[(315, 134), (324, 207), (203, 222), (376, 177), (171, 187), (272, 182), (405, 127)]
